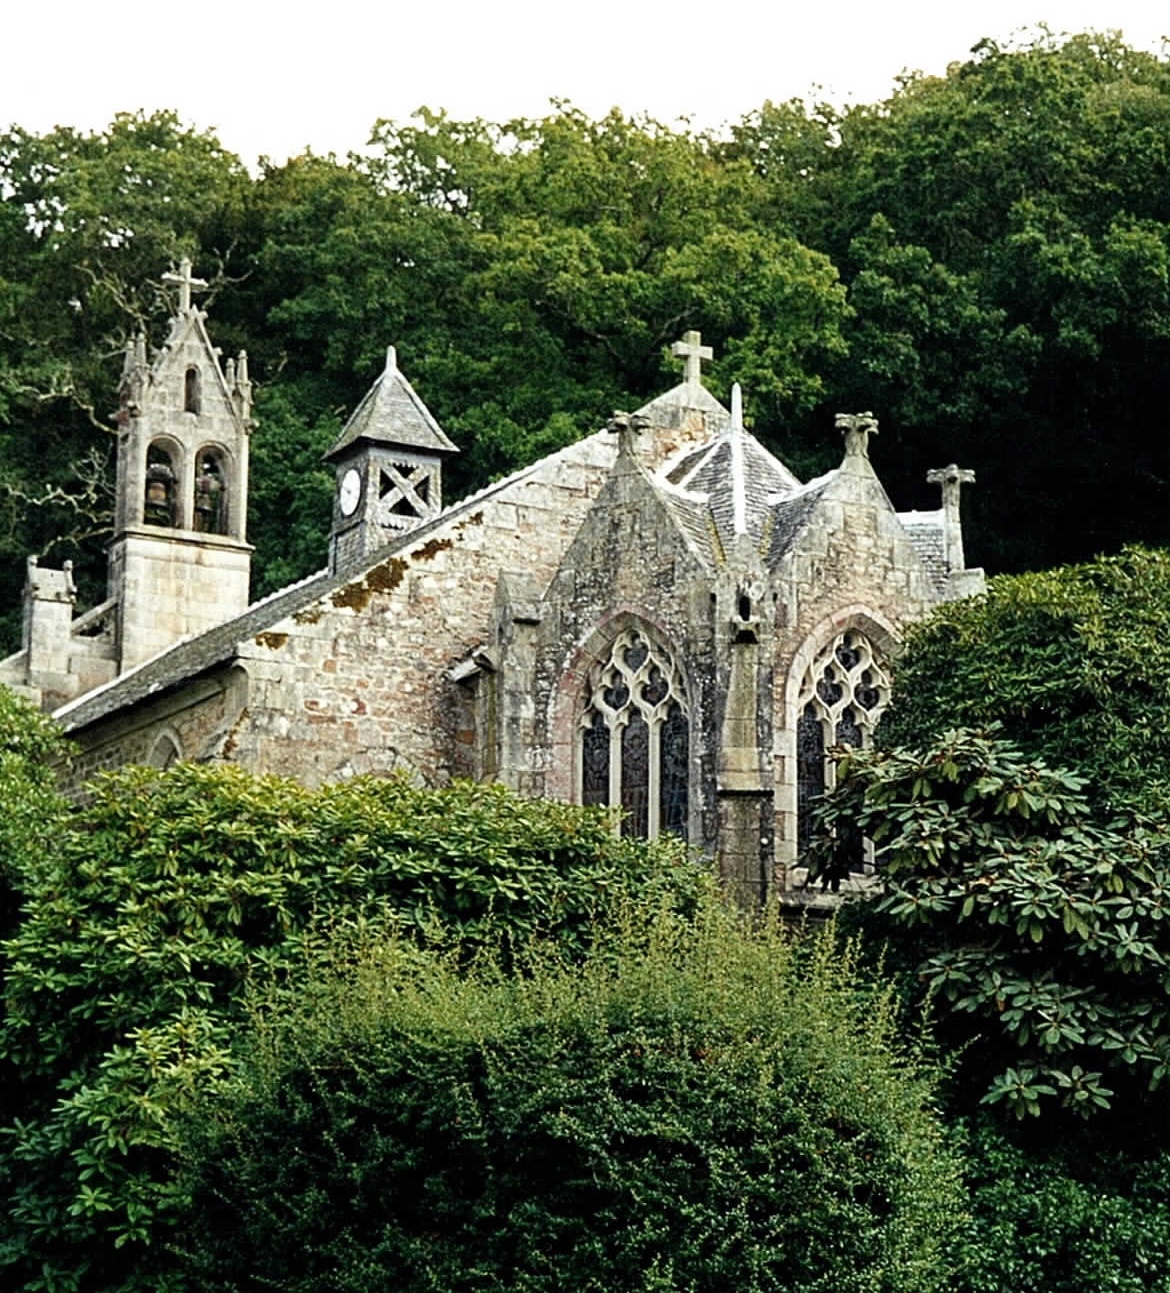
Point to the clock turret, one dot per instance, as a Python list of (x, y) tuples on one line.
[(389, 468)]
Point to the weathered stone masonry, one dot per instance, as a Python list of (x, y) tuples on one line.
[(660, 616)]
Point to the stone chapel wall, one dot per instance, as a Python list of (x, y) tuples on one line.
[(855, 568), (359, 680), (195, 719)]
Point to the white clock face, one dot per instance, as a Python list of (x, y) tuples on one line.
[(350, 492)]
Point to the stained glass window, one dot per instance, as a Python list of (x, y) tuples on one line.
[(634, 738), (843, 694), (636, 777), (674, 759), (810, 768), (595, 762)]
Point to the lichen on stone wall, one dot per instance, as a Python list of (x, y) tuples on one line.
[(432, 548)]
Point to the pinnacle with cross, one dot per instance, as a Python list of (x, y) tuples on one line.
[(690, 350), (186, 283)]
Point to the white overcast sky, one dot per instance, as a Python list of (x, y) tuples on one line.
[(274, 78)]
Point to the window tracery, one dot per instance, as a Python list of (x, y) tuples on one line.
[(634, 738), (841, 698)]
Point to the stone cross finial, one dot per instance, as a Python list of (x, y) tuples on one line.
[(690, 350), (186, 283), (952, 479), (627, 427), (857, 428)]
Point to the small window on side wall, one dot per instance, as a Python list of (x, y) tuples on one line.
[(164, 753)]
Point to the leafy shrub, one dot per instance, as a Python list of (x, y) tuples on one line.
[(1073, 663), (31, 810), (1042, 925), (710, 1105), (126, 975), (1064, 1221)]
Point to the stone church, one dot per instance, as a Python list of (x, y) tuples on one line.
[(660, 617)]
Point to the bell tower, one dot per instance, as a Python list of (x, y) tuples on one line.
[(388, 460), (179, 561)]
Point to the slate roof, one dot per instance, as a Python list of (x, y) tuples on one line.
[(392, 414), (693, 515), (925, 530), (192, 656), (789, 517), (763, 477), (738, 480)]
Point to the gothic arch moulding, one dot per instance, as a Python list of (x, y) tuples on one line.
[(621, 725), (165, 751), (836, 688)]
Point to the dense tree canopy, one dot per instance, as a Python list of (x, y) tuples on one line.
[(982, 259), (1072, 663)]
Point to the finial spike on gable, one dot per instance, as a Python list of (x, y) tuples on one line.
[(391, 361), (738, 471), (627, 427), (951, 479)]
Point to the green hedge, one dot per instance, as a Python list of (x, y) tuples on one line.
[(162, 900), (708, 1106), (1064, 1219)]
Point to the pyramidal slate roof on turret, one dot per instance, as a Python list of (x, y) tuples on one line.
[(392, 414), (731, 478)]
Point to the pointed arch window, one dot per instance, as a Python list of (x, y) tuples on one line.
[(842, 696), (164, 753), (634, 738)]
